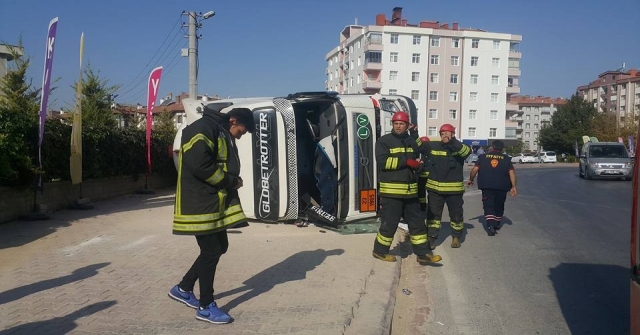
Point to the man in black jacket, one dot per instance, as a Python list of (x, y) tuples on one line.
[(397, 159), (497, 177), (207, 201)]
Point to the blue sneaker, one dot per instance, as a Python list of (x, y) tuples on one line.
[(212, 314), (185, 297)]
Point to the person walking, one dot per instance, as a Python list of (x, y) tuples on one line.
[(496, 177), (397, 162), (207, 201), (445, 184)]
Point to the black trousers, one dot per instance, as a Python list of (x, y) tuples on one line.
[(391, 211), (212, 247), (493, 205), (436, 202)]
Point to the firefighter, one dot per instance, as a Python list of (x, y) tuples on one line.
[(207, 201), (446, 183), (397, 158)]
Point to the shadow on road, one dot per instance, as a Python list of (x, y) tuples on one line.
[(23, 291), (59, 325), (17, 233), (483, 222), (295, 267), (594, 298)]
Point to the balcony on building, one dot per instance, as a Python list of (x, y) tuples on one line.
[(514, 72), (514, 50), (371, 84), (372, 66), (511, 107), (513, 89)]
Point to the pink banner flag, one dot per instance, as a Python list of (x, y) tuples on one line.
[(152, 95)]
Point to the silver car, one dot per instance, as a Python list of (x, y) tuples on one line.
[(605, 160)]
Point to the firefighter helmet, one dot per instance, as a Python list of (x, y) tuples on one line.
[(400, 116), (448, 127)]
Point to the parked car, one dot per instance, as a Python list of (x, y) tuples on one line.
[(545, 157), (522, 158), (472, 159), (605, 160)]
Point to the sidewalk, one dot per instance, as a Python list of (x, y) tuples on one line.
[(108, 270)]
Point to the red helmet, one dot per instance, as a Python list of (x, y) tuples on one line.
[(400, 116), (448, 127)]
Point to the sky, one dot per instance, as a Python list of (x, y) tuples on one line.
[(273, 48)]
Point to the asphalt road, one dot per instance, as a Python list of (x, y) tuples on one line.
[(559, 265)]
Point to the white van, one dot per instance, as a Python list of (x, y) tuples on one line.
[(278, 159)]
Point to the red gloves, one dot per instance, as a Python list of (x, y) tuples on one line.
[(412, 163), (424, 139)]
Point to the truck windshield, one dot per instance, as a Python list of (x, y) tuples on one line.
[(608, 151)]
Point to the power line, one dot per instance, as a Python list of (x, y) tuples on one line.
[(146, 67)]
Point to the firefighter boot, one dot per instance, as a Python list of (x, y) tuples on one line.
[(385, 257), (455, 242), (429, 258)]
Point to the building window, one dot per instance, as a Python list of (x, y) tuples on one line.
[(475, 43), (535, 126), (496, 45), (393, 75), (454, 60), (433, 95), (527, 134), (453, 96), (394, 39), (528, 117), (527, 126), (373, 57), (455, 42), (358, 45), (358, 80), (359, 60), (474, 61), (435, 59), (433, 113), (433, 77), (492, 132), (495, 80), (393, 57), (474, 79), (415, 94), (493, 115), (535, 134), (435, 41), (415, 58), (453, 114), (454, 79), (415, 76), (495, 62), (471, 132), (473, 114), (535, 118), (416, 40), (432, 131), (473, 96), (393, 92), (494, 97)]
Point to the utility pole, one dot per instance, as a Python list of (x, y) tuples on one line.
[(192, 52)]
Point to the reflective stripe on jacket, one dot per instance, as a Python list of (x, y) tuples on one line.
[(395, 178), (445, 165)]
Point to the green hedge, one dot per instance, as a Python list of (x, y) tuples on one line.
[(105, 153)]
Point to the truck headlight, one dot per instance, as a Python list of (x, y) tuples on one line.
[(593, 165)]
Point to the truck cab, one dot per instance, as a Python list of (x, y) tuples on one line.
[(309, 150)]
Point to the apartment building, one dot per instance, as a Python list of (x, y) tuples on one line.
[(460, 76), (530, 115), (616, 92)]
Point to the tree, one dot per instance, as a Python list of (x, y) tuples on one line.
[(96, 101), (515, 149), (164, 123), (19, 105), (569, 123)]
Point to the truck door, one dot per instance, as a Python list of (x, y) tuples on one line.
[(635, 250)]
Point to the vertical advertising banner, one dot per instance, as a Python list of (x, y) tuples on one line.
[(265, 172), (152, 95), (75, 161), (46, 83)]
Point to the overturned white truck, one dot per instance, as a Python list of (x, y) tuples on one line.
[(311, 155)]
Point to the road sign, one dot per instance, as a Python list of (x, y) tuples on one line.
[(362, 120), (363, 133)]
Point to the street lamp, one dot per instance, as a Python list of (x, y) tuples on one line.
[(193, 49)]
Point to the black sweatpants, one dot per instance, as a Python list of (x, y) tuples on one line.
[(391, 211), (212, 247), (436, 202), (493, 205)]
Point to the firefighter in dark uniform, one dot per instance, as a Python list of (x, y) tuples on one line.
[(497, 177), (207, 201), (396, 157), (445, 183), (423, 172)]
